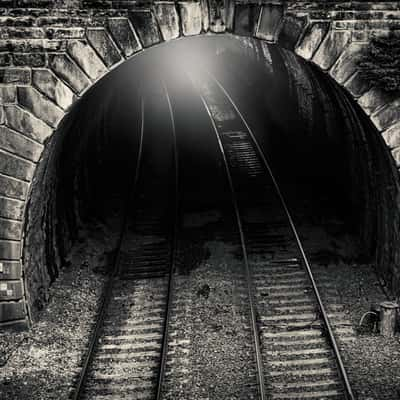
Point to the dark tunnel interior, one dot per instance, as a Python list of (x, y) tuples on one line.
[(332, 165)]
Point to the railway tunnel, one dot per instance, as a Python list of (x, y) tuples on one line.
[(332, 165)]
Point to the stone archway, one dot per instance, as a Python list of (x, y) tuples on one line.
[(56, 60)]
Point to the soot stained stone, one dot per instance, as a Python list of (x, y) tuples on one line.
[(146, 27)]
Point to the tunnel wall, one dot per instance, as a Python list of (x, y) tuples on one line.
[(51, 52)]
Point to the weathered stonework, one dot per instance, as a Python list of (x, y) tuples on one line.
[(51, 52)]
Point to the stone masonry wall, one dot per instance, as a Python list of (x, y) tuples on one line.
[(52, 51)]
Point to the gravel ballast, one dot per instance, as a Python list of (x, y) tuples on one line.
[(43, 363), (211, 330)]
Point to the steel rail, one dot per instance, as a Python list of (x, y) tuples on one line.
[(331, 336), (260, 371), (174, 247), (107, 291)]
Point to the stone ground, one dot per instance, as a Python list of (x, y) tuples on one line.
[(34, 364)]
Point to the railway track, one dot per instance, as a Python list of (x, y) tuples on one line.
[(297, 356), (127, 351), (139, 348)]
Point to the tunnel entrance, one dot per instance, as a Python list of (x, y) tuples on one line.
[(333, 167)]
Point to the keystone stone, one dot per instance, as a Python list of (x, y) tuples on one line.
[(168, 20), (39, 105), (191, 18)]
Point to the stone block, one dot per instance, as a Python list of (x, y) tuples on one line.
[(396, 156), (8, 94), (11, 290), (293, 27), (191, 18), (11, 208), (21, 325), (392, 136), (27, 124), (356, 85), (218, 12), (21, 32), (32, 45), (30, 59), (331, 48), (145, 24), (10, 230), (87, 59), (39, 105), (346, 65), (387, 116), (374, 99), (246, 19), (69, 72), (5, 59), (10, 250), (270, 22), (124, 35), (229, 15), (65, 33), (53, 88), (10, 270), (13, 188), (15, 76), (19, 144), (168, 19), (11, 311), (19, 21), (16, 167), (312, 38), (100, 40), (53, 21)]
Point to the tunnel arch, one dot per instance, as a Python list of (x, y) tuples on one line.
[(35, 110)]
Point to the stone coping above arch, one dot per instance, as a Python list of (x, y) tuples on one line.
[(50, 57)]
